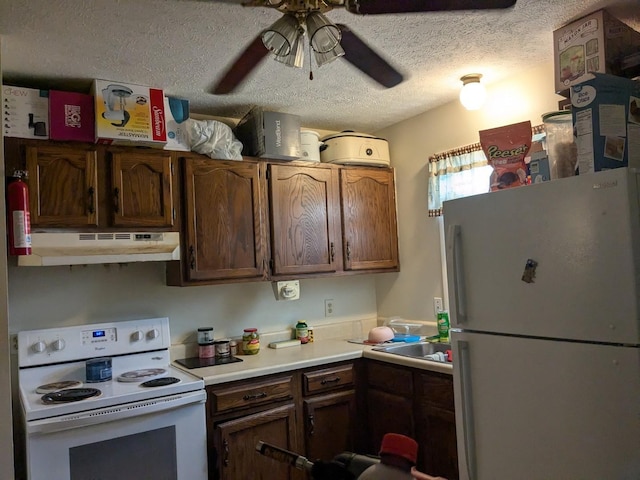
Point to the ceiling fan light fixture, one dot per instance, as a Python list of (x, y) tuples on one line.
[(280, 37), (296, 56), (473, 93), (323, 35), (327, 57)]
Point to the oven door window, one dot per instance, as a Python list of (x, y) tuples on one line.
[(150, 454)]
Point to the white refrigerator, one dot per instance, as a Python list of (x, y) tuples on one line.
[(544, 292)]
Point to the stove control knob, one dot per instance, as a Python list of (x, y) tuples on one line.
[(137, 336), (58, 344), (153, 333), (39, 346)]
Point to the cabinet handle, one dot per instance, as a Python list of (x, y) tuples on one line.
[(333, 251), (116, 200), (255, 396), (348, 251), (91, 207), (312, 424), (225, 446), (192, 258), (330, 380)]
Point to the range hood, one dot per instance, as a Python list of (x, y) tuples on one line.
[(91, 248)]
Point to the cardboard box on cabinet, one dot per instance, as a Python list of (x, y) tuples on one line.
[(269, 135), (596, 43), (177, 110), (71, 116), (606, 119), (25, 112), (128, 114)]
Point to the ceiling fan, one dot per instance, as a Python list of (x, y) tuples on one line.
[(285, 38)]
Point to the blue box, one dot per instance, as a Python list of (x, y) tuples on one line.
[(606, 119)]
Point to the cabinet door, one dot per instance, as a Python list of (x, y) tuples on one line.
[(304, 217), (62, 186), (223, 211), (142, 189), (436, 424), (237, 457), (329, 425), (369, 219)]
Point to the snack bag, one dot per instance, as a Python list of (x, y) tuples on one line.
[(506, 148)]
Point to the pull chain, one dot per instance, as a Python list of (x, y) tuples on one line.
[(310, 61)]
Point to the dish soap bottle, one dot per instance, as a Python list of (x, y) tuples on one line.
[(302, 331), (443, 326)]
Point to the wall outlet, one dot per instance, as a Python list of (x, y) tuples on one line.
[(438, 306), (328, 307)]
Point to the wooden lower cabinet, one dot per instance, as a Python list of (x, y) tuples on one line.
[(417, 403), (329, 425), (235, 442)]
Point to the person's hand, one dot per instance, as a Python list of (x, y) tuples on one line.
[(330, 471), (418, 475)]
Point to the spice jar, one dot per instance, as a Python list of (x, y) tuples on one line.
[(206, 347), (250, 341)]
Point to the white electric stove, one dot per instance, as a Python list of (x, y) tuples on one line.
[(80, 425)]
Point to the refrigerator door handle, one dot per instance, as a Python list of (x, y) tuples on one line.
[(467, 409), (454, 248)]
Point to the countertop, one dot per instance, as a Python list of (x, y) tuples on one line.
[(320, 352)]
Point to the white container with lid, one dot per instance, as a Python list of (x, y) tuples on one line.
[(560, 144), (310, 145)]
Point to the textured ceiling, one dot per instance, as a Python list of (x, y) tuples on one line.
[(183, 46)]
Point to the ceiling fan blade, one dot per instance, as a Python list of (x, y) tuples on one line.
[(242, 66), (373, 7), (361, 56)]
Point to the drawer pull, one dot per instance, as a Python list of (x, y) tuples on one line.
[(225, 446), (255, 396), (330, 380), (311, 424)]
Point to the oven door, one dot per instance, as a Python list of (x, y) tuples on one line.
[(163, 439)]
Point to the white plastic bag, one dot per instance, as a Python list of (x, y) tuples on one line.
[(214, 139)]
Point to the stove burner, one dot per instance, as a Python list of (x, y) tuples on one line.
[(70, 395), (55, 386), (160, 382), (139, 375)]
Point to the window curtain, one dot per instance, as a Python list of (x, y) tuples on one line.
[(462, 172), (455, 174)]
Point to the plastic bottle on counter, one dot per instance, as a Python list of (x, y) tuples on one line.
[(250, 341), (302, 331), (443, 326)]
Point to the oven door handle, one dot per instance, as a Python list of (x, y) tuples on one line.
[(117, 412)]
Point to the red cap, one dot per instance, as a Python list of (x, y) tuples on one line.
[(400, 445)]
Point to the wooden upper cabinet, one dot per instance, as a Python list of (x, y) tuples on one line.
[(304, 219), (63, 185), (223, 216), (141, 185), (369, 220)]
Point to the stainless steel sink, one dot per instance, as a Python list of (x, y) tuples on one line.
[(414, 350)]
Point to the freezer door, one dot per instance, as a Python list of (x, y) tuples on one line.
[(545, 410), (582, 233)]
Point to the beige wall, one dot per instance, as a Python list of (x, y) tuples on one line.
[(6, 435), (525, 96)]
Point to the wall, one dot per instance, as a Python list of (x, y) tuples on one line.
[(525, 96)]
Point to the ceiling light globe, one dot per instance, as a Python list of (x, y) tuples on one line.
[(473, 93)]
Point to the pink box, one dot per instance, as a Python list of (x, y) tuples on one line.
[(71, 116)]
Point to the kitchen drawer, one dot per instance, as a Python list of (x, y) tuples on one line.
[(250, 394), (385, 377), (435, 389), (319, 381)]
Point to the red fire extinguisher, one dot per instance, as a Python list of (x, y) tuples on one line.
[(19, 220)]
